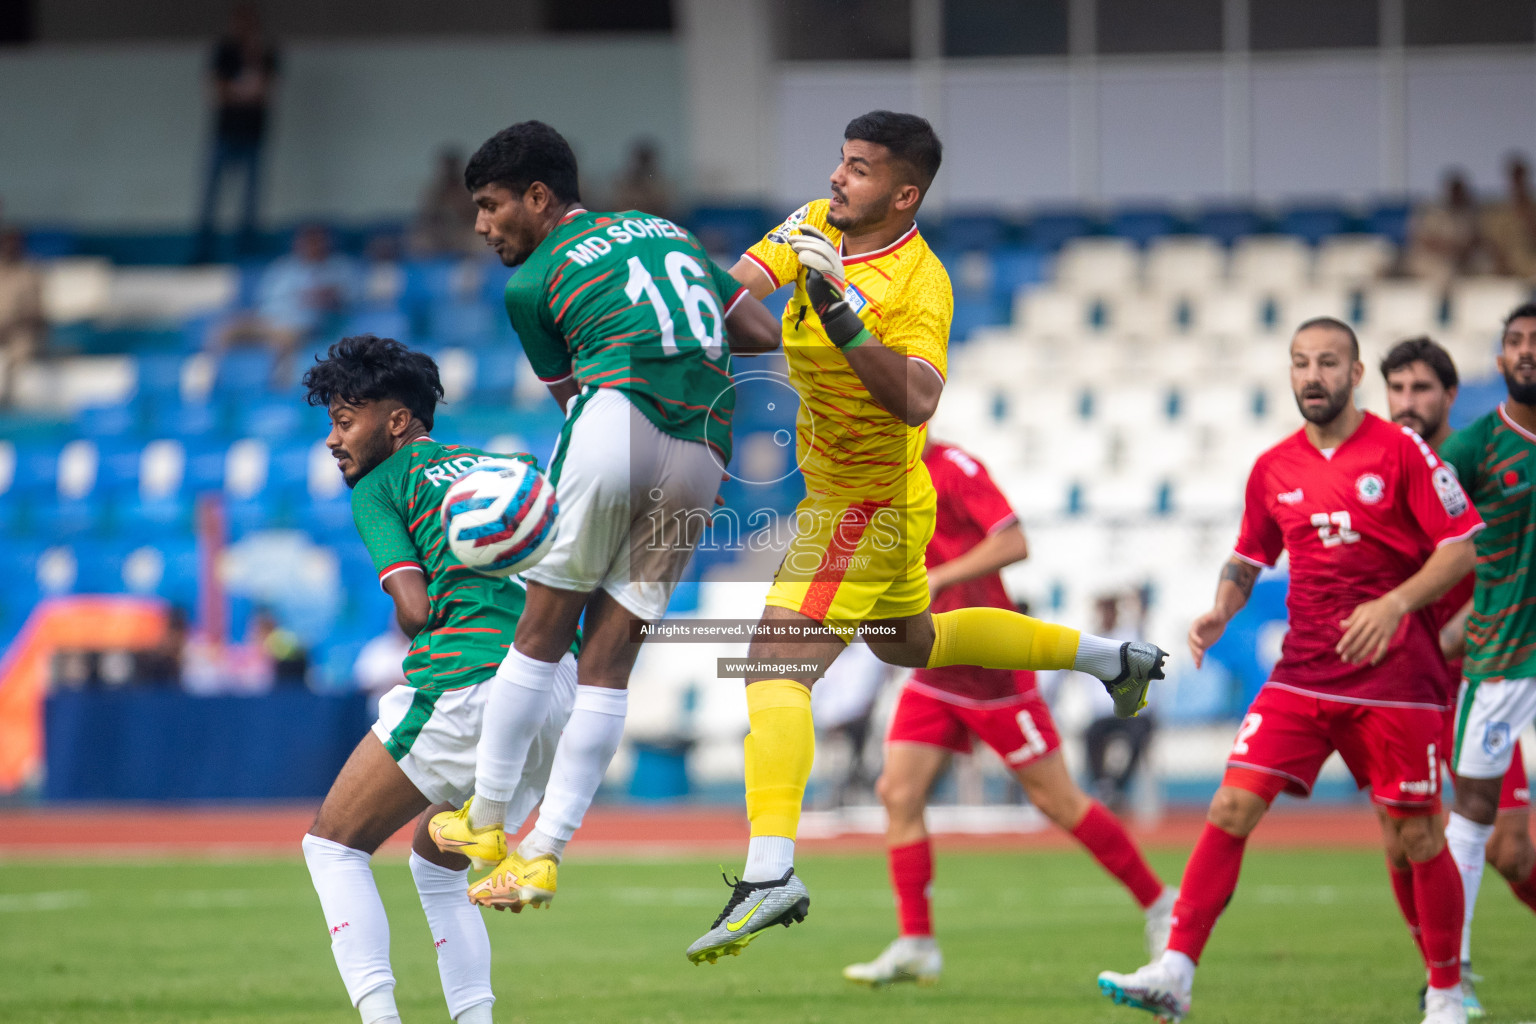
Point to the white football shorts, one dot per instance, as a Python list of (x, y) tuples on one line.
[(1489, 718)]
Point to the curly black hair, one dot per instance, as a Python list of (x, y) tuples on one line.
[(1422, 350), (365, 368), (518, 156)]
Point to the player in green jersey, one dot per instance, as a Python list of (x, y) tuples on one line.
[(1495, 458), (420, 755), (632, 326)]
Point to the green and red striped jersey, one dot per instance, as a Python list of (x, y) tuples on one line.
[(473, 617), (1493, 457), (632, 301)]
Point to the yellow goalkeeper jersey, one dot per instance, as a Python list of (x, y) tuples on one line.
[(846, 444)]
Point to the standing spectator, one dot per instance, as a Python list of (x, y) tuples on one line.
[(244, 70), (641, 185), (1510, 226), (444, 224), (21, 310), (297, 295), (1444, 237), (1115, 746)]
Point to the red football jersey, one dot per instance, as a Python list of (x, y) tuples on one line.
[(971, 509), (1356, 525)]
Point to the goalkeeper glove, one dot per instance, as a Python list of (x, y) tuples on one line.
[(817, 252), (843, 326)]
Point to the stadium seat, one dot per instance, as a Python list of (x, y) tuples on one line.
[(1314, 223), (241, 371), (1227, 224), (279, 419), (1270, 263), (1402, 308), (1478, 305), (974, 231), (1184, 265), (1048, 312), (1096, 266), (1050, 230), (1292, 307), (1353, 259), (1141, 314), (1229, 312), (1391, 221), (1143, 225), (113, 420)]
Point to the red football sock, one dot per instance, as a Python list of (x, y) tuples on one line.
[(911, 874), (1402, 888), (1525, 891), (1438, 895), (1112, 847), (1210, 878)]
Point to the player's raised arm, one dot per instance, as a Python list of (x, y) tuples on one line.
[(755, 278), (1232, 592), (750, 329)]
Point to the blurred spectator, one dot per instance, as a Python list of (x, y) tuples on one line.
[(21, 310), (383, 278), (1510, 226), (1115, 746), (1445, 239), (378, 666), (282, 648), (444, 224), (297, 296), (641, 185), (243, 71)]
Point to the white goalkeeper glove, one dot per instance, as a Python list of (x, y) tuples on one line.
[(818, 252)]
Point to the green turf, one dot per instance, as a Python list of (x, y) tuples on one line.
[(1310, 937)]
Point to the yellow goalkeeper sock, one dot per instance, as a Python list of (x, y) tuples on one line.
[(996, 638), (779, 751)]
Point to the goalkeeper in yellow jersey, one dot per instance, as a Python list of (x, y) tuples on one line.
[(865, 335)]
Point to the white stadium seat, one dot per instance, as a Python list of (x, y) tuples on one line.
[(1184, 265), (1480, 304), (1270, 262), (1049, 311), (1096, 266), (1353, 259), (1294, 307), (1402, 308)]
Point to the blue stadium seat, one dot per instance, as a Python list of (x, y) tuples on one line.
[(974, 230), (117, 464), (327, 520), (1051, 229), (1143, 224), (37, 468), (455, 322), (1228, 224), (1015, 267), (112, 420), (259, 512), (204, 468), (172, 418), (243, 370), (159, 376), (1390, 219), (275, 419), (99, 567), (61, 519), (496, 372), (145, 518), (1314, 223), (386, 323)]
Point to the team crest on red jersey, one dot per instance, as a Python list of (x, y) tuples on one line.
[(1369, 487)]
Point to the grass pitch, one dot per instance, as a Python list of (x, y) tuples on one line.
[(1310, 936)]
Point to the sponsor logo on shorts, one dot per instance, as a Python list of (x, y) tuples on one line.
[(1425, 787), (1290, 497), (339, 927), (1523, 795), (1452, 497), (1370, 487), (1496, 738)]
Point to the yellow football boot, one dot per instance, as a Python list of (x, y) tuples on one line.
[(516, 883), (451, 833)]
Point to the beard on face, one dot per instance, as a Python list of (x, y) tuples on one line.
[(1421, 426), (850, 218), (366, 454), (1327, 412), (1524, 393)]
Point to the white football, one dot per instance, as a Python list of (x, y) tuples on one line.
[(499, 517)]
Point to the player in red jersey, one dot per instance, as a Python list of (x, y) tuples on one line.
[(941, 709), (1377, 529), (1421, 389)]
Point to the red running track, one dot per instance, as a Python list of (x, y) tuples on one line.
[(268, 830)]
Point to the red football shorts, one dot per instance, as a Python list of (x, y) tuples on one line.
[(1515, 793), (1019, 728), (1394, 751)]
